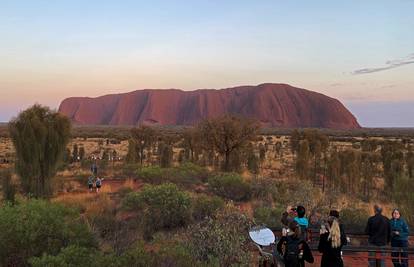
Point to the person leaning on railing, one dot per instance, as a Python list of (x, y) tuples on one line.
[(379, 231), (399, 239)]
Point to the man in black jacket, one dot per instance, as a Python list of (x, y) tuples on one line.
[(379, 231)]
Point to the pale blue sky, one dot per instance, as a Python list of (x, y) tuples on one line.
[(50, 50)]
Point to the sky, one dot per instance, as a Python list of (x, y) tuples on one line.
[(361, 52)]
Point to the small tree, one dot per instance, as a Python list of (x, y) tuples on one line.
[(40, 137), (144, 137), (191, 143), (81, 153), (295, 138), (166, 155), (252, 161), (302, 160), (75, 153), (227, 135)]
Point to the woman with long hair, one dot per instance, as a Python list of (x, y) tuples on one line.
[(330, 244)]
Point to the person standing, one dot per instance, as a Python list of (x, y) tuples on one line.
[(344, 238), (294, 249), (379, 231), (98, 184), (94, 169), (330, 244), (296, 214), (90, 183), (399, 239)]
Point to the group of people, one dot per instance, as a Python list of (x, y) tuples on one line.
[(382, 231), (295, 251), (94, 182)]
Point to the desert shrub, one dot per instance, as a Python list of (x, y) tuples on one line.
[(137, 256), (204, 206), (124, 190), (175, 255), (268, 216), (171, 254), (354, 219), (303, 193), (152, 174), (231, 186), (161, 206), (129, 170), (185, 175), (223, 239), (101, 215), (36, 227), (264, 189), (75, 256)]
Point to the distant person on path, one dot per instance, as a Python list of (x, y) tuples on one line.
[(90, 183), (94, 169), (399, 239), (98, 184), (379, 231), (298, 215), (330, 243), (294, 249)]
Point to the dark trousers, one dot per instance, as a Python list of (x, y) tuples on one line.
[(399, 254), (372, 261)]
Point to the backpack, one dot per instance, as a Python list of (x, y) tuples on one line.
[(90, 180), (98, 182), (292, 251)]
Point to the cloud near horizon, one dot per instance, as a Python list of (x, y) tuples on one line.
[(390, 64)]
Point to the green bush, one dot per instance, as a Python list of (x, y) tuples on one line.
[(171, 254), (354, 219), (223, 239), (264, 189), (204, 206), (36, 227), (268, 216), (175, 255), (75, 256), (8, 188), (129, 170), (161, 207), (185, 175), (137, 256), (152, 174), (231, 186)]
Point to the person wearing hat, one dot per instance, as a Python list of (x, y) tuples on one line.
[(399, 239), (379, 231)]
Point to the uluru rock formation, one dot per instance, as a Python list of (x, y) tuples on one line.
[(274, 105)]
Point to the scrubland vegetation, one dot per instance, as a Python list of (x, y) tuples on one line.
[(182, 197)]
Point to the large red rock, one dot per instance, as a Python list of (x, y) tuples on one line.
[(274, 105)]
